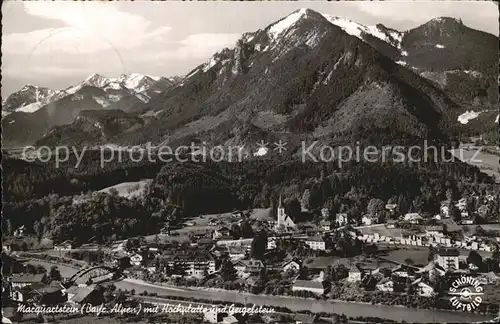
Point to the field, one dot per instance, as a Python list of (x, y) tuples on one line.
[(487, 227), (260, 214), (419, 256), (492, 294), (129, 189), (198, 225), (65, 271), (487, 162), (381, 229), (31, 241), (125, 189)]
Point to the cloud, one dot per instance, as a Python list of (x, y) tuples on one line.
[(90, 27), (42, 71), (203, 45)]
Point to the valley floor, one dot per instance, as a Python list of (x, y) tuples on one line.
[(480, 157)]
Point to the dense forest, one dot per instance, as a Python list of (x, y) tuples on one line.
[(181, 190)]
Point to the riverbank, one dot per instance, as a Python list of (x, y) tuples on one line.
[(350, 309)]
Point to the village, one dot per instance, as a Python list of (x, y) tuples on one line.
[(250, 251)]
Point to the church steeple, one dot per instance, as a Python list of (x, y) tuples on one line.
[(281, 213)]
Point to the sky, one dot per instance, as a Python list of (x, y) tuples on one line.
[(58, 44)]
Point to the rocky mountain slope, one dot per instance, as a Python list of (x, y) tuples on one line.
[(308, 76), (301, 75), (33, 111), (92, 127), (28, 99)]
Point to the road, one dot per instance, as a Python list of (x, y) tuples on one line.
[(396, 313)]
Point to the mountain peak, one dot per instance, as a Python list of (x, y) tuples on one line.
[(444, 23), (446, 20), (96, 80), (292, 19), (94, 76), (28, 87)]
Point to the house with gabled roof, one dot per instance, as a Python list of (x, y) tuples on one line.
[(23, 280), (413, 218), (447, 259), (423, 288), (341, 219), (316, 243), (85, 295), (251, 266), (355, 274), (64, 246), (39, 293), (291, 265), (401, 271), (136, 259), (283, 220), (386, 284), (325, 225), (221, 232), (304, 318)]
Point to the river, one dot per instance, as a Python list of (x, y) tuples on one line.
[(396, 313)]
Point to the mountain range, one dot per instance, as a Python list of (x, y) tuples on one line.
[(30, 113), (305, 76)]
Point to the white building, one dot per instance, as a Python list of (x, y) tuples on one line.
[(248, 266), (284, 221), (386, 285), (462, 204), (325, 225), (445, 210), (341, 219), (413, 218), (136, 259), (212, 316), (271, 243), (316, 243), (368, 220), (64, 246), (400, 271), (447, 259), (354, 274), (423, 288), (195, 264), (291, 265), (391, 207), (236, 252)]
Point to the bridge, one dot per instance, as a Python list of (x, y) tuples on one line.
[(94, 272)]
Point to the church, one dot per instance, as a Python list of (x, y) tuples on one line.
[(284, 221)]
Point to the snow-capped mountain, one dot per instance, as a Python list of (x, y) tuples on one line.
[(390, 36), (307, 73), (34, 110), (28, 99), (137, 82), (139, 85), (301, 74), (134, 81), (461, 60)]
